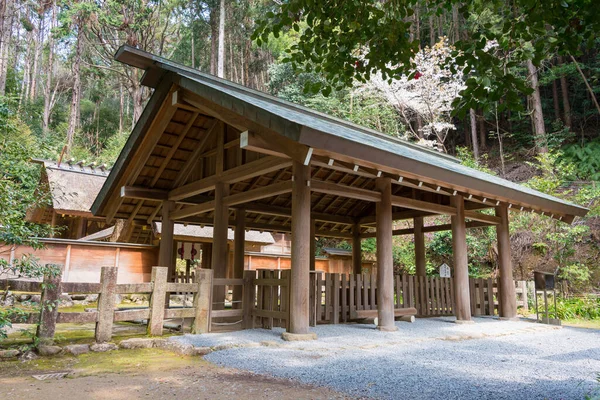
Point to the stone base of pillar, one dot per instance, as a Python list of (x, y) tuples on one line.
[(509, 318), (391, 328), (298, 337), (464, 322)]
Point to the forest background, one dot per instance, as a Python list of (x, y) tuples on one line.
[(508, 87)]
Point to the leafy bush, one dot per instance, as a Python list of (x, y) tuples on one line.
[(576, 308), (586, 159)]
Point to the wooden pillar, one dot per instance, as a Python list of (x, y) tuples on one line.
[(239, 247), (300, 272), (507, 297), (385, 262), (313, 246), (206, 255), (461, 266), (420, 264), (166, 250), (356, 250), (219, 247)]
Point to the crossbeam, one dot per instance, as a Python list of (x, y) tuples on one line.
[(260, 193), (193, 210), (421, 205), (477, 216), (344, 191), (427, 229), (252, 169), (276, 145)]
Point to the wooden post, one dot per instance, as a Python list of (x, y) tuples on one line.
[(106, 303), (157, 301), (219, 248), (313, 247), (420, 265), (300, 271), (165, 252), (49, 312), (507, 299), (461, 266), (356, 250), (238, 255), (249, 297), (385, 262), (206, 255), (203, 301)]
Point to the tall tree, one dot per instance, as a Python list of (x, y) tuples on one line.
[(537, 114), (221, 57)]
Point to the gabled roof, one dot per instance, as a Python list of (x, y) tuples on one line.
[(328, 135), (73, 187)]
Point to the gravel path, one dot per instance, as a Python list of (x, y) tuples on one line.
[(432, 358)]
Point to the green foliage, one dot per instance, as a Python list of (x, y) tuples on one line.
[(585, 159), (349, 41), (577, 308)]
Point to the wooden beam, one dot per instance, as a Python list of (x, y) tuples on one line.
[(477, 216), (276, 145), (220, 255), (428, 229), (252, 169), (260, 193), (142, 193), (344, 191), (239, 245), (193, 210), (356, 250), (421, 205), (165, 253)]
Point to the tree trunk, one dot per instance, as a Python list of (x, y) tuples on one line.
[(474, 133), (49, 71), (121, 107), (221, 60), (555, 100), (76, 93), (214, 32), (455, 23), (537, 113), (6, 22), (564, 88), (431, 31), (36, 58), (482, 132), (138, 101)]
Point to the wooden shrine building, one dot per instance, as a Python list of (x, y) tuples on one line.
[(208, 151)]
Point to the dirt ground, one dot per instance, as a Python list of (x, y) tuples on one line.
[(144, 374)]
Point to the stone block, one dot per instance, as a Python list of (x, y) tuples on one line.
[(137, 343), (103, 347), (77, 349), (49, 350)]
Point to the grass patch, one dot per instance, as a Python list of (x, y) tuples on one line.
[(582, 323)]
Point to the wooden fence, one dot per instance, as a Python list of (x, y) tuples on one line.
[(335, 297), (106, 314)]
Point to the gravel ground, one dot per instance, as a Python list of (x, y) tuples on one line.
[(431, 358)]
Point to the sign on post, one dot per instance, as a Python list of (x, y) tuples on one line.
[(444, 271)]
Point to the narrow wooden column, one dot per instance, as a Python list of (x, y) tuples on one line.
[(420, 263), (206, 255), (313, 245), (461, 266), (508, 300), (356, 250), (165, 252), (385, 262), (239, 247), (219, 248), (300, 273)]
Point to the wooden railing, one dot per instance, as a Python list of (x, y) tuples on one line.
[(334, 297)]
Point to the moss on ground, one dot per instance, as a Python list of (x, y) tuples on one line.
[(119, 362)]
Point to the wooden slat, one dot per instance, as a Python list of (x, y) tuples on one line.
[(227, 313), (336, 298), (344, 299), (269, 314), (359, 284), (373, 287), (399, 312), (133, 288), (131, 315), (227, 282)]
